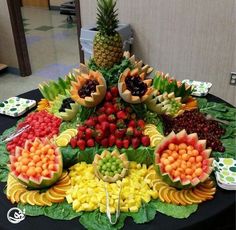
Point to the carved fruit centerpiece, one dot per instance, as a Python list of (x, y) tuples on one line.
[(182, 160), (110, 167), (89, 89), (133, 87), (38, 164), (64, 107)]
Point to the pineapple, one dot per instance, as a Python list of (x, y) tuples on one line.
[(107, 45)]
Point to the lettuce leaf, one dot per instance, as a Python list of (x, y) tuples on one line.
[(173, 210), (145, 214), (59, 211), (97, 220)]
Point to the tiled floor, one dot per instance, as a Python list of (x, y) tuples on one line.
[(53, 50)]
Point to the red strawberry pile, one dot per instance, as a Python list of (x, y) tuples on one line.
[(113, 124), (42, 124)]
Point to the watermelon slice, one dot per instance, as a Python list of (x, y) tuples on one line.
[(37, 165), (182, 160)]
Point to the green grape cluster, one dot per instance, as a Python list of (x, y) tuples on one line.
[(110, 166)]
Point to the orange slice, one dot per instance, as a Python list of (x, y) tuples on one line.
[(30, 197), (184, 198), (158, 184), (15, 196), (178, 197), (44, 200), (61, 190), (163, 194), (172, 197), (37, 200), (54, 197), (63, 184), (23, 198), (188, 196)]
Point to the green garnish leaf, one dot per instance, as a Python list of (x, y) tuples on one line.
[(175, 211), (96, 220)]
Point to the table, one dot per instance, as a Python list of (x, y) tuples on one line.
[(218, 213)]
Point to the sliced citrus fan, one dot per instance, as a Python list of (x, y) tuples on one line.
[(154, 135), (17, 192)]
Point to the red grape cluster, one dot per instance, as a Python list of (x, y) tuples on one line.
[(195, 122)]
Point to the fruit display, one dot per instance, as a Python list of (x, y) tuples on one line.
[(42, 124), (154, 135), (111, 125), (129, 144), (64, 107), (50, 90), (195, 122), (64, 138), (18, 192), (183, 160), (165, 83), (165, 103), (38, 164), (133, 86), (43, 104), (134, 189), (89, 89), (110, 167), (107, 45)]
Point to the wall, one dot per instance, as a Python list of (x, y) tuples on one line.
[(189, 39), (7, 46)]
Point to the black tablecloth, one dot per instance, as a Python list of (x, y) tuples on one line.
[(218, 213)]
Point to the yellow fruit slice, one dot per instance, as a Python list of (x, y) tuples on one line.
[(23, 198), (190, 198), (210, 191), (184, 198), (155, 140), (61, 190), (71, 132), (158, 185), (64, 181), (15, 196), (150, 132), (13, 188), (163, 194), (44, 200), (54, 197), (63, 175), (149, 126), (151, 176), (177, 197), (200, 195), (194, 196), (172, 197), (37, 199), (30, 197), (62, 142)]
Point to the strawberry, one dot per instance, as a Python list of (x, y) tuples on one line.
[(137, 132), (90, 142), (135, 142), (73, 142), (119, 133), (120, 123), (104, 142), (121, 115), (110, 110), (126, 143), (101, 110), (132, 123), (128, 109), (112, 140), (99, 134), (119, 143), (94, 118), (117, 107), (81, 144), (112, 128), (130, 131), (102, 117), (80, 134), (111, 118), (141, 123), (145, 140), (88, 133), (97, 126), (105, 126), (107, 104), (114, 91), (90, 122), (108, 96), (82, 128)]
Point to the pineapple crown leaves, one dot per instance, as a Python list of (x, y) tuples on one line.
[(107, 17)]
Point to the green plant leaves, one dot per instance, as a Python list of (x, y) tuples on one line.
[(175, 211), (59, 211)]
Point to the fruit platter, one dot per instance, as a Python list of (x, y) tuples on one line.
[(116, 139)]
